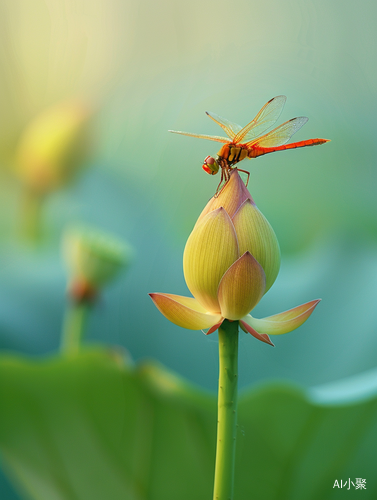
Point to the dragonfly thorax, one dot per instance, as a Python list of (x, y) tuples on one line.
[(233, 153)]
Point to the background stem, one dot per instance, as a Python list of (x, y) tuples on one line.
[(31, 216), (227, 411), (74, 327)]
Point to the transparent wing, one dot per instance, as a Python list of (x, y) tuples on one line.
[(231, 129), (202, 136), (265, 119), (280, 135)]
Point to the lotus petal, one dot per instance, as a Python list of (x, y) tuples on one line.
[(283, 322), (184, 311), (256, 236), (52, 148), (211, 249), (248, 329), (213, 328), (241, 287), (230, 197)]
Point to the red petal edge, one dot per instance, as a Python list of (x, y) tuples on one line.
[(260, 336), (213, 328)]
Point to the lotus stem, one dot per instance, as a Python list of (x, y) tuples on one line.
[(31, 216), (74, 327), (227, 411)]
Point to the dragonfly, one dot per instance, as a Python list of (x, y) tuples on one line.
[(252, 140)]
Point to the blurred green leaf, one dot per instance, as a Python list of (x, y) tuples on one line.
[(294, 448), (94, 427)]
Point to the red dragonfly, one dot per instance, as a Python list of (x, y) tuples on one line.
[(251, 141)]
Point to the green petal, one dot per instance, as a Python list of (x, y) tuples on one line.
[(210, 250), (184, 311), (94, 257), (256, 236), (283, 322), (241, 287)]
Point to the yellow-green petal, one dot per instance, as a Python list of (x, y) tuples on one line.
[(241, 287), (210, 250), (53, 147), (255, 235), (184, 311), (283, 322)]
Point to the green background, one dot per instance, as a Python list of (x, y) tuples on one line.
[(146, 67)]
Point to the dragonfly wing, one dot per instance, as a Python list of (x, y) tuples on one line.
[(202, 136), (231, 129), (280, 135), (265, 119)]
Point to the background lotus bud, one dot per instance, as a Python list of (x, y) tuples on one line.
[(93, 259), (53, 147)]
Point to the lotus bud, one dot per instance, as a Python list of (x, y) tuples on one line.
[(93, 260), (230, 261), (53, 147)]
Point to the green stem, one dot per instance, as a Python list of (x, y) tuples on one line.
[(31, 216), (227, 411), (74, 327)]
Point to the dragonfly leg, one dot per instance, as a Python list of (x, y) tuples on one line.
[(245, 172), (218, 186), (226, 170)]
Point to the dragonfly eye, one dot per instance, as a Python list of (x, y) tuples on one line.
[(210, 165)]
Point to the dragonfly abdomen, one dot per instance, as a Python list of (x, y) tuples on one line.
[(255, 151)]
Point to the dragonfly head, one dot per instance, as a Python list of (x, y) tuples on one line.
[(210, 165)]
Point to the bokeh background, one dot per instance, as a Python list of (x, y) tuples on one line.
[(145, 67)]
